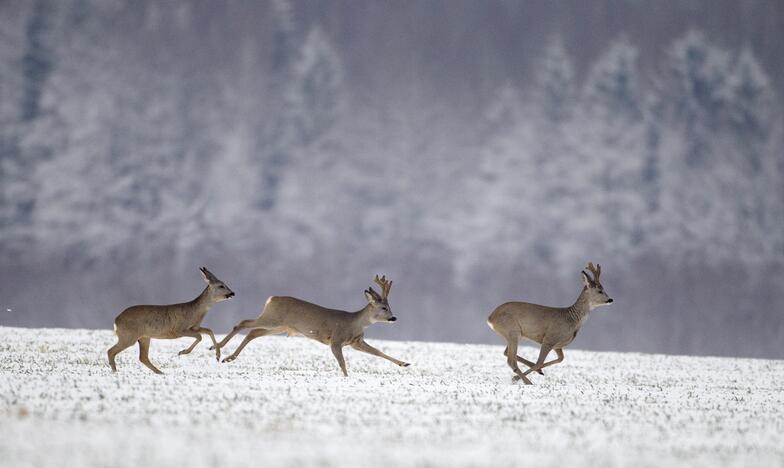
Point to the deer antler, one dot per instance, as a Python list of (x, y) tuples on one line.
[(385, 284), (596, 271)]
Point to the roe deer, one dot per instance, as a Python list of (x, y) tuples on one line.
[(335, 328), (140, 323), (552, 327)]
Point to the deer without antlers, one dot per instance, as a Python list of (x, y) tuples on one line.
[(335, 328), (552, 327), (142, 322)]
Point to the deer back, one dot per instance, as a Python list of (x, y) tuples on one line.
[(296, 316)]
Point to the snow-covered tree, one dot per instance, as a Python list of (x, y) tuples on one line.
[(755, 124), (308, 160), (316, 95), (119, 137), (554, 82), (38, 61), (560, 177), (17, 190), (502, 199), (611, 131), (713, 127), (312, 95), (504, 112), (752, 111)]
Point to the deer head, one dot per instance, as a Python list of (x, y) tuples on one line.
[(596, 294), (218, 290), (379, 304)]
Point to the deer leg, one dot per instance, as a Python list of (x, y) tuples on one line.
[(560, 353), (123, 342), (511, 360), (192, 334), (539, 362), (240, 326), (523, 360), (366, 348), (212, 337), (144, 349), (337, 350), (529, 364), (248, 338)]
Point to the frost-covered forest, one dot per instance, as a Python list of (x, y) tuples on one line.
[(475, 152)]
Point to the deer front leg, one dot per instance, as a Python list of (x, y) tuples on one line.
[(212, 337), (560, 353), (144, 355), (192, 334), (523, 360), (361, 345), (337, 350)]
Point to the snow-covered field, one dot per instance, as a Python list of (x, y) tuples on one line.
[(283, 402)]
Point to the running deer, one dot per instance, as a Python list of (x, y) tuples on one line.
[(140, 323), (335, 328), (552, 327)]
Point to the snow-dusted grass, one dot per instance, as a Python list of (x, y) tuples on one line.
[(285, 403)]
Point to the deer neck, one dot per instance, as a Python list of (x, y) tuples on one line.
[(363, 317), (578, 312), (202, 303)]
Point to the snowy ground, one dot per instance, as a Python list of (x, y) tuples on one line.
[(285, 403)]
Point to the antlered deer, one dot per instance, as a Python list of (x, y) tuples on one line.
[(552, 327), (142, 322), (335, 328)]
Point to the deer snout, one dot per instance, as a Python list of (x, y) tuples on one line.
[(231, 294), (391, 319), (609, 300)]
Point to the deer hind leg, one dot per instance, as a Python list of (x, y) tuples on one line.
[(123, 342), (543, 352), (523, 360), (144, 349), (250, 323), (191, 334), (511, 359), (337, 350), (248, 338)]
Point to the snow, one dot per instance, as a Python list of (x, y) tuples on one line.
[(283, 402)]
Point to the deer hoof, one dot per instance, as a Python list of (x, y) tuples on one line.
[(405, 364), (525, 381)]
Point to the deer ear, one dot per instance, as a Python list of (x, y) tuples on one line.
[(368, 296), (371, 295), (205, 274), (586, 279)]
